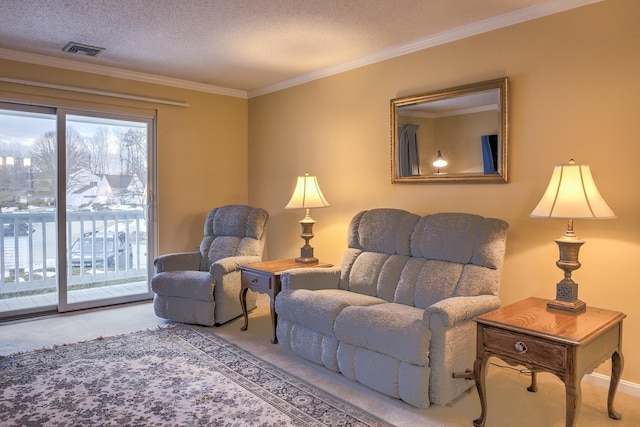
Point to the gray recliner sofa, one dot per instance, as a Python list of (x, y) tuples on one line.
[(397, 314)]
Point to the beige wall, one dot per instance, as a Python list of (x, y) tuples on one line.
[(574, 87), (201, 149)]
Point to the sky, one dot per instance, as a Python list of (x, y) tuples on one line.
[(24, 128), (19, 128)]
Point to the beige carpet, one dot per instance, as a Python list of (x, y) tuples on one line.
[(510, 404)]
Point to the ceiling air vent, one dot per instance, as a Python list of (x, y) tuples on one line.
[(83, 49)]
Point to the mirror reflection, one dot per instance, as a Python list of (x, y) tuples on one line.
[(453, 135)]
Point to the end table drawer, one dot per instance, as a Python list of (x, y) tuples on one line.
[(524, 348), (255, 281)]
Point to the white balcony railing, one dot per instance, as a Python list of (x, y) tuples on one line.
[(104, 247)]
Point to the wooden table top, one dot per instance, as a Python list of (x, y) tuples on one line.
[(531, 316), (280, 265)]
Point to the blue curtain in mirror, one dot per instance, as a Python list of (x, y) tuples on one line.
[(490, 153), (408, 159)]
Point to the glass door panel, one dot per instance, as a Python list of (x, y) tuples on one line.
[(106, 224), (28, 268)]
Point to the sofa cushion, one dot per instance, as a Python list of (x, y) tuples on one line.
[(490, 243), (376, 274), (461, 238), (392, 329), (476, 280), (363, 277), (232, 230), (318, 310), (196, 285), (382, 230), (446, 237), (424, 282)]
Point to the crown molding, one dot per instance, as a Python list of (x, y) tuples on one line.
[(527, 14), (68, 64)]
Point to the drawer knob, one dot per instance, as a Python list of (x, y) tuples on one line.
[(254, 280), (521, 347)]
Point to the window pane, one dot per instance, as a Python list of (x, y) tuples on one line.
[(28, 268), (106, 197)]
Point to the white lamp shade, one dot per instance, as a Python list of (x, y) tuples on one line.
[(307, 194), (571, 194), (440, 162)]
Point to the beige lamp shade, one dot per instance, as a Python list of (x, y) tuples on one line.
[(307, 194), (572, 194)]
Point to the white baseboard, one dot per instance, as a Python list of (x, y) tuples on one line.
[(626, 387)]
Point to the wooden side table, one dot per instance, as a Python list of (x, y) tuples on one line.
[(264, 277), (566, 344)]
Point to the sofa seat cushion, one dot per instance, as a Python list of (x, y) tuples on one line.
[(392, 329), (317, 310), (196, 285)]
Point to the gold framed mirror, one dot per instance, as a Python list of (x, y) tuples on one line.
[(454, 135)]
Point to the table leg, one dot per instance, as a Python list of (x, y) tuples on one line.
[(617, 364), (479, 374), (574, 400), (243, 304), (274, 319), (534, 383)]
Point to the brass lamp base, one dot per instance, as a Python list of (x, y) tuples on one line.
[(567, 299), (567, 290), (575, 306), (306, 252)]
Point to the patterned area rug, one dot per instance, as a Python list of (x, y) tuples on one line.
[(175, 376)]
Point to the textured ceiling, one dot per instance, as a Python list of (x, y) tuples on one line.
[(238, 44)]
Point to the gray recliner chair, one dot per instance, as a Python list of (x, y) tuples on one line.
[(203, 287)]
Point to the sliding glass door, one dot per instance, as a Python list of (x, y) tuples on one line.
[(73, 209)]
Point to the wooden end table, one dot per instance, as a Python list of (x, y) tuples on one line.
[(566, 344), (264, 278)]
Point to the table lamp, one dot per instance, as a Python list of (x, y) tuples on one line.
[(439, 162), (307, 194), (571, 194)]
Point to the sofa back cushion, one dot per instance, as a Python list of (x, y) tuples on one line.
[(400, 257), (385, 231), (379, 244), (459, 237), (464, 254), (232, 230)]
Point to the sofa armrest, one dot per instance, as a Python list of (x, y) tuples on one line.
[(313, 278), (177, 261), (451, 311), (231, 264)]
